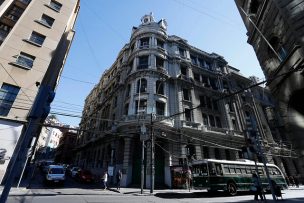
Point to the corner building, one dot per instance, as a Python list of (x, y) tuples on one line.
[(155, 77), (276, 33)]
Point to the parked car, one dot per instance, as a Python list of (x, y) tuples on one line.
[(55, 174), (74, 171), (85, 176)]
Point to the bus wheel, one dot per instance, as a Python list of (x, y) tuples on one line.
[(231, 189)]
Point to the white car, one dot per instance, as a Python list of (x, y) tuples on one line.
[(55, 174), (74, 171)]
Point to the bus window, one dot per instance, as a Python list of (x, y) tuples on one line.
[(238, 169), (219, 170), (232, 169), (212, 169), (200, 170), (276, 171), (261, 171), (243, 170), (248, 170), (226, 169)]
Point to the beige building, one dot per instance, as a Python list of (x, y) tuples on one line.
[(33, 35)]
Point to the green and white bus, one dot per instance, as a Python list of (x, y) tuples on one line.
[(232, 176)]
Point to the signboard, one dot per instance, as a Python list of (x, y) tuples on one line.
[(111, 170), (9, 135)]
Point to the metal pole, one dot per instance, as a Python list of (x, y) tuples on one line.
[(264, 38), (152, 157), (142, 166), (260, 150)]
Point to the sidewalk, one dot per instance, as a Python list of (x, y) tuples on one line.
[(291, 195)]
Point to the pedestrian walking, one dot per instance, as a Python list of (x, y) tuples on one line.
[(257, 188), (296, 181), (188, 178), (118, 179), (291, 180), (104, 179)]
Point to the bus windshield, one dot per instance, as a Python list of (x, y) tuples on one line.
[(200, 170)]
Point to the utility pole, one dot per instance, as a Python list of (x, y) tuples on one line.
[(152, 178)]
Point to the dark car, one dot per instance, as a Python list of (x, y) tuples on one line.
[(85, 176)]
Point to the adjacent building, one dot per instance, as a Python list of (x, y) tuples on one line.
[(160, 84), (276, 33), (35, 36)]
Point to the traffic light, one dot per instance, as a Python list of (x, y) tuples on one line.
[(42, 105)]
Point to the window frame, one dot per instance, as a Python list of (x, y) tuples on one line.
[(22, 60), (46, 21), (7, 97), (33, 39), (54, 5)]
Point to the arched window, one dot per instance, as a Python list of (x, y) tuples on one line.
[(160, 87), (141, 85)]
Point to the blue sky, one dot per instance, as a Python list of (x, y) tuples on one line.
[(104, 26)]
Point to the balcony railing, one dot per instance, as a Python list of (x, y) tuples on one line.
[(190, 124)]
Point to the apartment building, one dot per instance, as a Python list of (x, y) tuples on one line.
[(160, 84), (35, 36), (276, 33)]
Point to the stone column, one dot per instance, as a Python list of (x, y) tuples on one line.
[(127, 164)]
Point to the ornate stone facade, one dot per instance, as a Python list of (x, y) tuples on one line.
[(162, 85)]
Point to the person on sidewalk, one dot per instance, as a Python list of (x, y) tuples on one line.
[(104, 179), (258, 188), (118, 179)]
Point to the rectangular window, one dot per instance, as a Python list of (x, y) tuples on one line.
[(160, 108), (159, 62), (143, 62), (160, 43), (182, 52), (55, 5), (142, 106), (212, 122), (46, 20), (188, 114), (193, 59), (186, 94), (218, 122), (25, 60), (144, 42), (37, 38), (205, 120), (8, 94), (201, 62), (183, 70), (202, 101)]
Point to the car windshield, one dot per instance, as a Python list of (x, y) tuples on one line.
[(56, 171)]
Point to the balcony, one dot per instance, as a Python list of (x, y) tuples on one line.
[(161, 69), (190, 124)]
